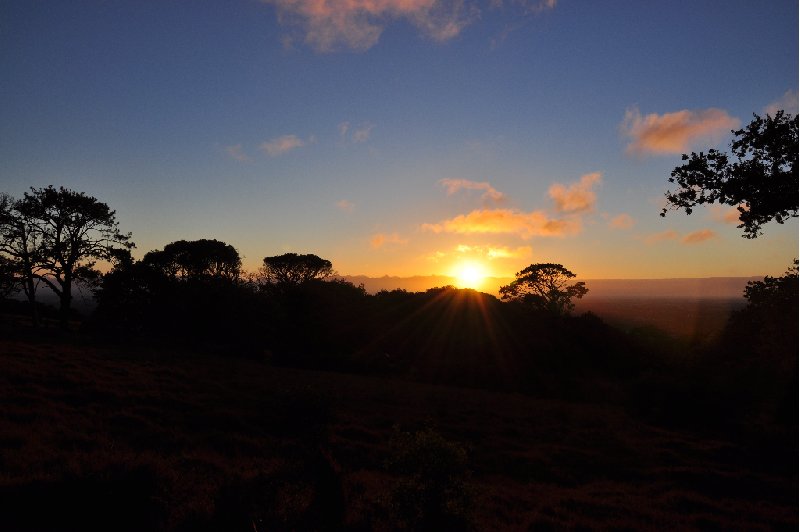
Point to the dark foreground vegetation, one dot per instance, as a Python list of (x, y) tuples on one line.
[(196, 402)]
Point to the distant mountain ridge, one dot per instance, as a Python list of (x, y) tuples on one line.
[(696, 288)]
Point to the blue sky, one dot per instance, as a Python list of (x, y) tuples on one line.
[(329, 127)]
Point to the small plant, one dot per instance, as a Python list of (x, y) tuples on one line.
[(432, 491)]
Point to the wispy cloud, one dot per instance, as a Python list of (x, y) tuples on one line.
[(728, 215), (381, 240), (329, 25), (577, 197), (495, 252), (675, 133), (621, 221), (489, 252), (787, 102), (695, 237), (356, 134), (699, 236), (662, 236), (508, 221), (236, 152), (280, 145), (489, 192), (362, 133), (345, 205)]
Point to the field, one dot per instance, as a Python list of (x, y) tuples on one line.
[(137, 438)]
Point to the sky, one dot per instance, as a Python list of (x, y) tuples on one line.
[(401, 137)]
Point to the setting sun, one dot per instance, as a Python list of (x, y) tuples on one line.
[(469, 274)]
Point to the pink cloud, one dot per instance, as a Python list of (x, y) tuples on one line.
[(281, 145), (490, 193), (699, 236), (787, 102), (236, 152), (380, 240), (578, 197), (728, 215), (621, 221), (524, 224), (662, 236), (675, 132), (358, 24)]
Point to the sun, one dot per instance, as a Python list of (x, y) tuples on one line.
[(469, 275)]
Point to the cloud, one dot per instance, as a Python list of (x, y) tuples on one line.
[(280, 145), (695, 237), (699, 236), (237, 153), (787, 102), (380, 240), (728, 215), (345, 205), (358, 134), (491, 252), (674, 132), (362, 134), (621, 221), (329, 25), (490, 193), (662, 236), (509, 221), (578, 197)]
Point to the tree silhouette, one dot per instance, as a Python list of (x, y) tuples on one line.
[(20, 249), (72, 231), (291, 269), (197, 259), (762, 182), (545, 287)]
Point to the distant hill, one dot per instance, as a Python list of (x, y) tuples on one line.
[(694, 288)]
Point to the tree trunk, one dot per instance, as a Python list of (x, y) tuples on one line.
[(66, 302), (30, 293)]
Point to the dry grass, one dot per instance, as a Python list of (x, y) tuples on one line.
[(133, 439)]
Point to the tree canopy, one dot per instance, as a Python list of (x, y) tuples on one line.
[(545, 287), (294, 269), (196, 259), (760, 179)]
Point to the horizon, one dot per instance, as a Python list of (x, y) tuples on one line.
[(402, 139)]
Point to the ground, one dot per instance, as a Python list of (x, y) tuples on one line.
[(103, 436)]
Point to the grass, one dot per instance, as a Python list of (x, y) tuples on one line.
[(104, 437)]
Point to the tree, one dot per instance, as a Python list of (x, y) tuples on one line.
[(73, 231), (291, 269), (545, 287), (762, 182), (20, 250), (197, 259)]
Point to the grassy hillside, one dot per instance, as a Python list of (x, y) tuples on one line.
[(103, 437)]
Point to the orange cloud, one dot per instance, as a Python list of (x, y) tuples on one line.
[(660, 237), (380, 240), (281, 145), (699, 236), (509, 221), (675, 132), (490, 193), (728, 215), (621, 221), (358, 24), (495, 252), (345, 205), (578, 197)]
